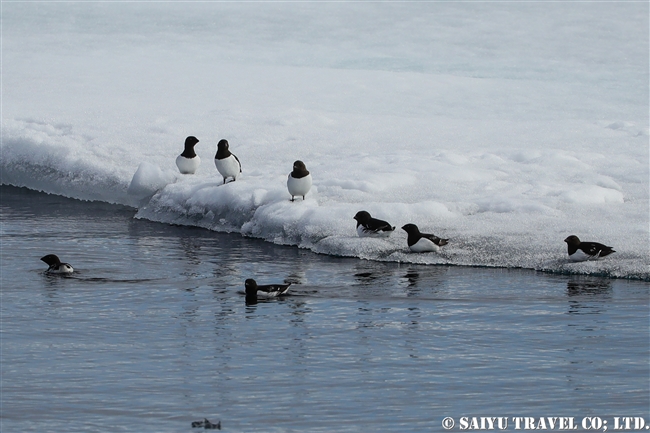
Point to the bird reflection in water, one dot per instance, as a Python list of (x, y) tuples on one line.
[(588, 295)]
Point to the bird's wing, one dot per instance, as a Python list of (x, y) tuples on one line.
[(378, 225), (591, 248), (435, 239), (237, 161)]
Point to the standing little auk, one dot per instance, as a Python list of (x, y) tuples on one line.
[(188, 161), (299, 181), (227, 163)]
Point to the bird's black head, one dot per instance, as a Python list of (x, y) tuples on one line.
[(251, 287), (362, 217), (299, 170), (251, 291), (222, 150), (411, 228), (191, 141), (572, 240), (189, 147), (51, 259)]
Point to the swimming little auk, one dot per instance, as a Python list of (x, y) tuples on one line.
[(55, 265), (227, 163), (581, 251), (368, 226), (188, 161), (255, 291), (206, 424), (422, 242), (299, 181)]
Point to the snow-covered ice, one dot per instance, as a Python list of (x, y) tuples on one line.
[(504, 127)]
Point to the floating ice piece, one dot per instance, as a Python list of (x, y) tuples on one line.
[(149, 179)]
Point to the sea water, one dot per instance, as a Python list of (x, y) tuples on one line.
[(152, 332)]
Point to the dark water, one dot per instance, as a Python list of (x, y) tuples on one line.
[(152, 333)]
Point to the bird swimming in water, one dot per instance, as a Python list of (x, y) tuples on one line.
[(55, 265), (255, 291), (206, 424)]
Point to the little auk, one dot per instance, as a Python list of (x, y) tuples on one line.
[(55, 265), (368, 226), (422, 242), (206, 424), (188, 161), (227, 163), (581, 251), (255, 291), (299, 181)]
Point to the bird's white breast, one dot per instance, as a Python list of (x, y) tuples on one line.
[(266, 295), (64, 268), (299, 186), (424, 245), (366, 233), (187, 165), (581, 256), (228, 167)]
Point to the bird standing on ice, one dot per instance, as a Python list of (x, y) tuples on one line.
[(253, 290), (422, 242), (299, 181), (227, 163), (581, 251), (55, 265), (368, 226), (188, 161)]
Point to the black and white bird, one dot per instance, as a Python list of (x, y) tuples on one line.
[(368, 226), (582, 251), (227, 163), (206, 424), (299, 181), (255, 291), (55, 265), (188, 161), (422, 242)]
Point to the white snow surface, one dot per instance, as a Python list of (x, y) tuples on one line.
[(504, 127)]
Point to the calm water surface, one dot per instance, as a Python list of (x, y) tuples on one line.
[(152, 333)]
